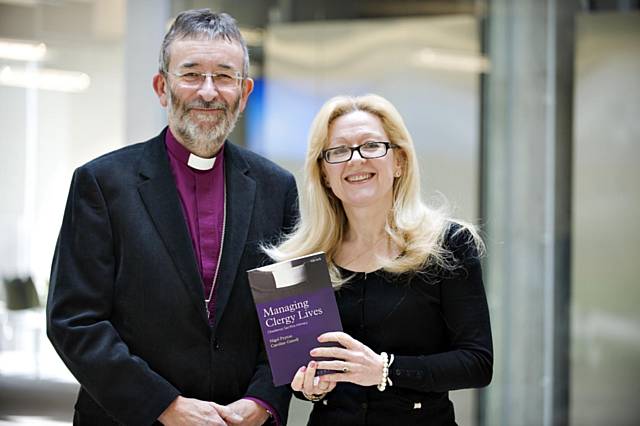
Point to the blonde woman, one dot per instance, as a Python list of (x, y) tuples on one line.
[(407, 277)]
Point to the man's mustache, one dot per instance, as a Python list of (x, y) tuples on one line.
[(206, 105)]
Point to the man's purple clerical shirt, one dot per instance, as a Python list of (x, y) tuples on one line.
[(202, 197)]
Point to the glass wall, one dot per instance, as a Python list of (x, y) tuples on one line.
[(605, 295), (61, 95)]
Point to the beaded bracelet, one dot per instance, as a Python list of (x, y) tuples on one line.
[(385, 371)]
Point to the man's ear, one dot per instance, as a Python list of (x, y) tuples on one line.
[(160, 87), (247, 88)]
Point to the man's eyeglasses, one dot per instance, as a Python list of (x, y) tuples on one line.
[(222, 80), (368, 150)]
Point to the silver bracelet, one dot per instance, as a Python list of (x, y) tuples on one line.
[(385, 371)]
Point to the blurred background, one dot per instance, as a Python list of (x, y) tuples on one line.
[(524, 114)]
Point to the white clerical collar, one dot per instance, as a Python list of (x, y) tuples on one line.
[(200, 163)]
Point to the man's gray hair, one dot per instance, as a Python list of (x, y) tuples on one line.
[(202, 24)]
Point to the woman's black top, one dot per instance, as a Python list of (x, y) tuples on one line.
[(436, 323)]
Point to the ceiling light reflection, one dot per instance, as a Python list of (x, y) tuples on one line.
[(45, 79), (22, 51)]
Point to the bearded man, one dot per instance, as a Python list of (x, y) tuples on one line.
[(149, 305)]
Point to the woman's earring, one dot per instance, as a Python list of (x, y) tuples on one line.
[(397, 173)]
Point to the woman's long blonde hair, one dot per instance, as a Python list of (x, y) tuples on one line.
[(417, 229)]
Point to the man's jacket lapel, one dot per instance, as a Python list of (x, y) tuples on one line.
[(160, 196), (240, 190)]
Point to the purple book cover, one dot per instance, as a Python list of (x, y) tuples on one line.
[(295, 304)]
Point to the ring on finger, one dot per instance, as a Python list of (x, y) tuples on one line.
[(345, 370)]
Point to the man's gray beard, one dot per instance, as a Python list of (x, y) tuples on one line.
[(197, 140)]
